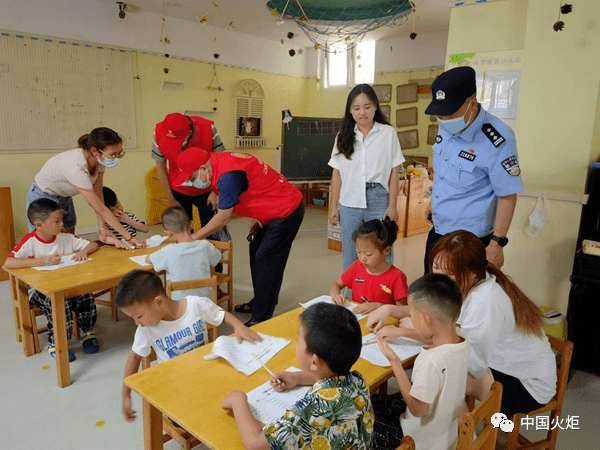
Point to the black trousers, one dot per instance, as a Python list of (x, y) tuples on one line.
[(515, 398), (269, 253), (432, 239)]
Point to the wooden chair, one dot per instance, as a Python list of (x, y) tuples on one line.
[(35, 312), (554, 406), (226, 249), (483, 412), (197, 284), (407, 443), (110, 303), (170, 429)]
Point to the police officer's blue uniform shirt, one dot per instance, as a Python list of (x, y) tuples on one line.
[(471, 171)]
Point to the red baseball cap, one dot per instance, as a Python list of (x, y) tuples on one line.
[(188, 162), (172, 131)]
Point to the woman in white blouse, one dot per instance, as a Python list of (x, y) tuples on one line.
[(81, 171), (365, 160), (504, 327)]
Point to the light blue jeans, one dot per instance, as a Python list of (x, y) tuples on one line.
[(352, 218), (65, 203)]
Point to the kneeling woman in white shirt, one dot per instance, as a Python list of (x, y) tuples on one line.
[(504, 327)]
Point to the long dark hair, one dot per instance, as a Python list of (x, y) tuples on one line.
[(346, 137), (99, 138), (463, 253)]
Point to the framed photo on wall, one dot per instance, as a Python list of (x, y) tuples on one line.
[(384, 92), (409, 139), (407, 93), (385, 110), (407, 117), (432, 133)]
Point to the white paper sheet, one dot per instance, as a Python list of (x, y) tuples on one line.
[(327, 299), (268, 405), (403, 347), (141, 260), (240, 355), (65, 261)]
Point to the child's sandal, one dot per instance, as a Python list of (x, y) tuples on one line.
[(90, 343), (52, 351)]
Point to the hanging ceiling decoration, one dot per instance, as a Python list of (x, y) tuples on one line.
[(339, 25), (204, 20)]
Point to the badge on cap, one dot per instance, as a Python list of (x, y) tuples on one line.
[(170, 134), (440, 95)]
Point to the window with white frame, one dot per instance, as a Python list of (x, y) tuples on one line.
[(344, 68), (249, 97)]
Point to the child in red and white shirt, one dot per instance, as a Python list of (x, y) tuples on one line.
[(374, 281), (44, 246)]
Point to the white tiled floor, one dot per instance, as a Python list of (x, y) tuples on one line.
[(36, 413)]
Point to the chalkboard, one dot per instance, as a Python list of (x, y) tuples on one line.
[(307, 146)]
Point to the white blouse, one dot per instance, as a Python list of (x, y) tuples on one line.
[(487, 320), (372, 162)]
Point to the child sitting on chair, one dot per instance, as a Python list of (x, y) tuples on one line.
[(129, 221), (336, 412), (435, 401), (44, 246), (186, 259), (169, 327), (374, 281)]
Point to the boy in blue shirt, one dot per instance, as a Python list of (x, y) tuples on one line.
[(336, 412), (187, 259)]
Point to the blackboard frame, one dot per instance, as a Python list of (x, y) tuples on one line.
[(292, 156)]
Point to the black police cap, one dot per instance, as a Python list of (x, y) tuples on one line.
[(450, 90)]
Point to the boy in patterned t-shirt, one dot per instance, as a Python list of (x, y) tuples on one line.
[(128, 220), (336, 412)]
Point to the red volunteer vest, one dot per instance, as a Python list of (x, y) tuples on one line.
[(269, 195), (202, 138)]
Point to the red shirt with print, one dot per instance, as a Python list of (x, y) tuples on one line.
[(384, 288)]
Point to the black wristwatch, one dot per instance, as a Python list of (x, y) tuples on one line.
[(502, 241)]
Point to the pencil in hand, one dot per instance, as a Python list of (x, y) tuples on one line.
[(263, 364)]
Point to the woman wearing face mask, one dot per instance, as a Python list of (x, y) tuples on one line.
[(81, 171), (365, 160)]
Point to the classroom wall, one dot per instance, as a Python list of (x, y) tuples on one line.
[(556, 127)]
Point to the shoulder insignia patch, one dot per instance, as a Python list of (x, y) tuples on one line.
[(492, 134), (511, 165), (438, 139)]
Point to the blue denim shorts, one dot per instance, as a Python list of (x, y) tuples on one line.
[(65, 203)]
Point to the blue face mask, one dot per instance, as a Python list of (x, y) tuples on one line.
[(109, 163), (200, 184), (454, 126)]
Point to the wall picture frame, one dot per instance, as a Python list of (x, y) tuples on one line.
[(407, 93), (409, 139), (432, 132), (384, 92), (386, 110), (407, 117)]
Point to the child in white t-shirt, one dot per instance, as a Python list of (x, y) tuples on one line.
[(187, 259), (44, 246), (169, 327), (435, 401)]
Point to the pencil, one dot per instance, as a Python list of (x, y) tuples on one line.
[(372, 341), (263, 364)]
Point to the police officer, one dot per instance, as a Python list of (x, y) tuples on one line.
[(476, 167), (250, 188)]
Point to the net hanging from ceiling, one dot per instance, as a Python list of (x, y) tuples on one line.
[(339, 25)]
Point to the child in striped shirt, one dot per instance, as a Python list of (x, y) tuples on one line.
[(128, 220)]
